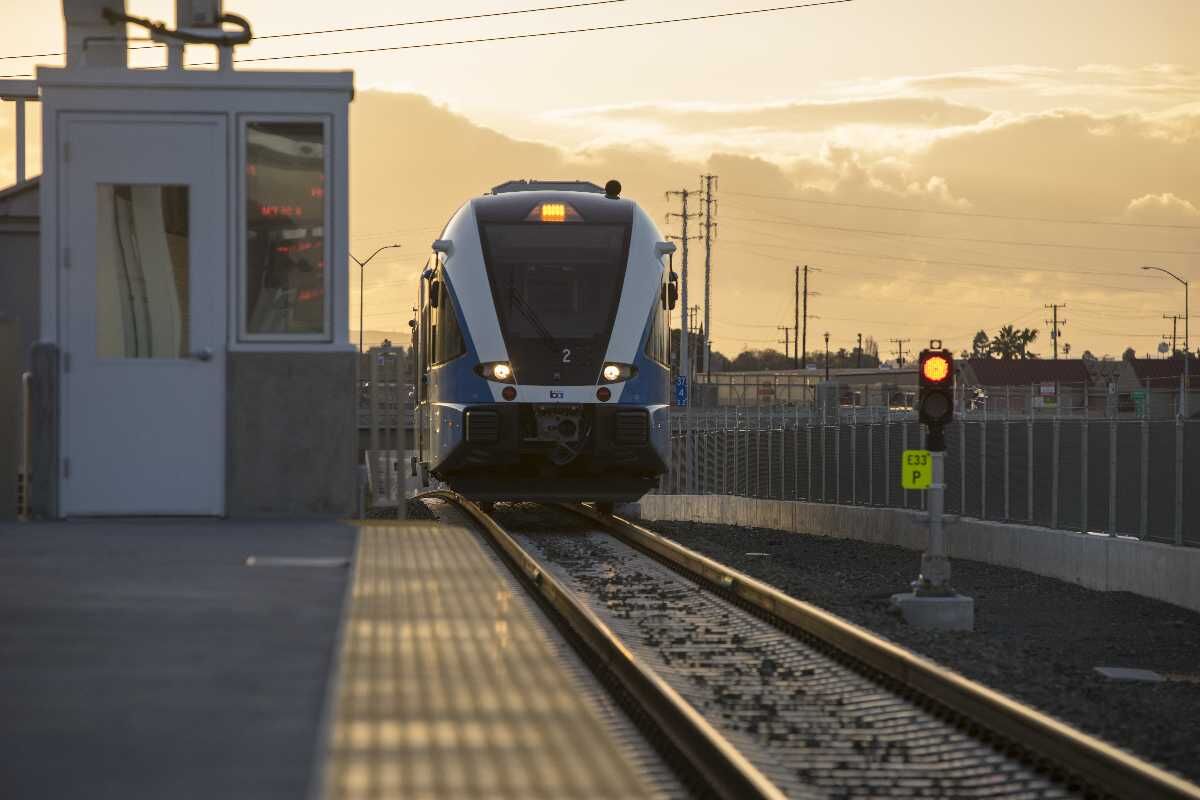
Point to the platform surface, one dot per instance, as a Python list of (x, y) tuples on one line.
[(144, 659), (450, 683)]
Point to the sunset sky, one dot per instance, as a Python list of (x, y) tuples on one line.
[(871, 139)]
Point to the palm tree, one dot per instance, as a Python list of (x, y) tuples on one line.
[(1006, 343), (1028, 336)]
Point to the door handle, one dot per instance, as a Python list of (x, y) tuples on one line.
[(203, 354)]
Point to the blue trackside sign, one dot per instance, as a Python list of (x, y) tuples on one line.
[(681, 390)]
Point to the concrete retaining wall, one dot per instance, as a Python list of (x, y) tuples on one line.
[(1108, 564), (291, 434)]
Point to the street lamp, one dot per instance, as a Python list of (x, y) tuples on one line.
[(826, 356), (362, 267), (1187, 353)]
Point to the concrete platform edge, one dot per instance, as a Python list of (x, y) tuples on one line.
[(1104, 563), (318, 778)]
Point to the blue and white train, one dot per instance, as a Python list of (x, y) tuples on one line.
[(542, 346)]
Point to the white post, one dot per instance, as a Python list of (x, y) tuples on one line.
[(935, 566)]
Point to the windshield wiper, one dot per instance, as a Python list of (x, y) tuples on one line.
[(529, 314)]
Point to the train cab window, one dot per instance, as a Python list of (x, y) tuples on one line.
[(656, 340), (447, 338)]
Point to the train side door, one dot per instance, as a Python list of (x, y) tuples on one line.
[(422, 381)]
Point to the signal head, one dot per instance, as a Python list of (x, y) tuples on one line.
[(935, 367)]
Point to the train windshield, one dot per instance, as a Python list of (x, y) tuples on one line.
[(556, 288)]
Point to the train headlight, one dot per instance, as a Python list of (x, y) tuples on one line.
[(613, 373), (499, 371)]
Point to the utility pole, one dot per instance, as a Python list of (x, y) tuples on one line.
[(684, 351), (709, 184), (798, 362), (860, 351), (899, 350), (1174, 330), (1055, 324), (784, 341)]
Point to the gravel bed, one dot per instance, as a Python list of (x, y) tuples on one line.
[(806, 720), (416, 510), (1037, 639)]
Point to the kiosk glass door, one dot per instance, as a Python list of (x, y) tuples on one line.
[(145, 317)]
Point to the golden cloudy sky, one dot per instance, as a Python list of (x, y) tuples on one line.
[(948, 165)]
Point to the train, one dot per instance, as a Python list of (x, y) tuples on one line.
[(542, 344)]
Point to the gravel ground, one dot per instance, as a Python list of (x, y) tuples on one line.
[(1037, 639), (416, 510), (813, 726)]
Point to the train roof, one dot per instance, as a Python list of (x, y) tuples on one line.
[(535, 186), (516, 206)]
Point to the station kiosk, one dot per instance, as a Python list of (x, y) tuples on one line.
[(193, 355)]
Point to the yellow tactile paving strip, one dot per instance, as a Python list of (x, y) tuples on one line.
[(449, 687)]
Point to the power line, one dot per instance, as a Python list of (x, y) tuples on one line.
[(977, 214), (379, 26), (519, 36), (1008, 242), (975, 264)]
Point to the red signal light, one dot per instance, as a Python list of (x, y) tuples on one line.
[(935, 369), (508, 393), (603, 394)]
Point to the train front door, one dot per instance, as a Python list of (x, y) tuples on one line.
[(143, 290)]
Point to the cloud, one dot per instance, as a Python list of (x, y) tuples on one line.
[(1164, 208), (921, 112)]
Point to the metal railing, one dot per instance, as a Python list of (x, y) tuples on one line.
[(1127, 477)]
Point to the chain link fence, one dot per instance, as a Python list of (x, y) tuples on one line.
[(1138, 478)]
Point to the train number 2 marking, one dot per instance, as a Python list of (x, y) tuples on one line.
[(566, 355)]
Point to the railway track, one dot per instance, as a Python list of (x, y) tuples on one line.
[(760, 695)]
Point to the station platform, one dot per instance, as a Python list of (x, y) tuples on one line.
[(452, 684), (146, 658)]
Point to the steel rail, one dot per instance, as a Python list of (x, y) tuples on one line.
[(1083, 757), (725, 771)]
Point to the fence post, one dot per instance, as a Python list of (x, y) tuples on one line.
[(1083, 475), (1054, 458), (1144, 513), (771, 452), (1007, 428), (1112, 478), (983, 439), (837, 462), (903, 447), (1179, 481), (962, 466), (796, 453), (854, 464), (746, 455), (824, 465), (1029, 461), (808, 446), (870, 464), (887, 456)]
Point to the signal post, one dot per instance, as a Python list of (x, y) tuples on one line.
[(933, 603)]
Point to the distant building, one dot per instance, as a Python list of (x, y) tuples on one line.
[(1021, 386)]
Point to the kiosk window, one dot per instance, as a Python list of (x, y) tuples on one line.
[(286, 276), (141, 271)]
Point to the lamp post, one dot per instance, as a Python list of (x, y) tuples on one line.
[(1187, 353), (826, 355), (362, 267)]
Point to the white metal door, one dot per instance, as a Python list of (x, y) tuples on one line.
[(144, 282)]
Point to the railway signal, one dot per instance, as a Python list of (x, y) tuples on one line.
[(935, 381)]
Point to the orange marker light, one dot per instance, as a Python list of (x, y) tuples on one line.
[(936, 369), (554, 212)]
